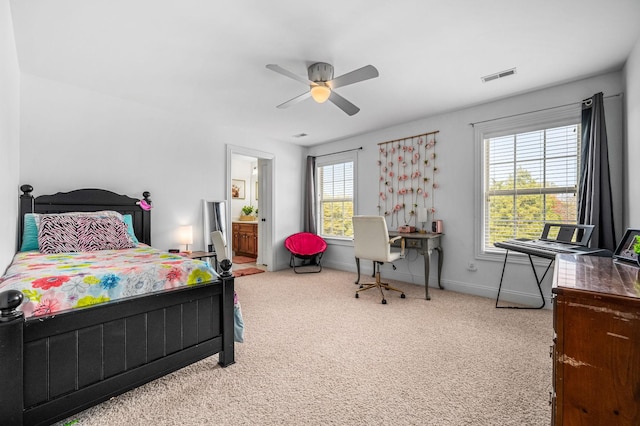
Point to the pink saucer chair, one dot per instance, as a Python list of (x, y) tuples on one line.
[(309, 248)]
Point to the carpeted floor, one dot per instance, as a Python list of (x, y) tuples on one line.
[(316, 355)]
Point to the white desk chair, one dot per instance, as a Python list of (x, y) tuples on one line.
[(371, 241), (220, 246)]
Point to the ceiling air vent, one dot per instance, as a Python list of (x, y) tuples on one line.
[(501, 74), (300, 135)]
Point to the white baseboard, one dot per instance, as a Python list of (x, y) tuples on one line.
[(507, 297)]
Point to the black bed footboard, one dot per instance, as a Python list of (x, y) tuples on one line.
[(11, 342), (56, 366)]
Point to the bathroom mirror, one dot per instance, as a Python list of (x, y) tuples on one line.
[(214, 214)]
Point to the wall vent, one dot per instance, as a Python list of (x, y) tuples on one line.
[(501, 74)]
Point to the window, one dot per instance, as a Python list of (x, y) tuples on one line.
[(529, 177), (335, 177)]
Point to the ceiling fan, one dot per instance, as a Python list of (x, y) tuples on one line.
[(322, 84)]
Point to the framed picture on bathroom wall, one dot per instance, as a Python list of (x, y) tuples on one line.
[(237, 189)]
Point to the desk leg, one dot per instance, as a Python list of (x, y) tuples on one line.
[(427, 261), (440, 259), (426, 274)]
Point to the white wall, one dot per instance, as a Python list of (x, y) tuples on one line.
[(455, 198), (9, 136), (74, 138), (632, 145)]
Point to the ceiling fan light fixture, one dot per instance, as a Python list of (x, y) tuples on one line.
[(321, 85), (320, 93)]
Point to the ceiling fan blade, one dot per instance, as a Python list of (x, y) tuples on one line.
[(295, 100), (280, 70), (343, 104), (361, 74)]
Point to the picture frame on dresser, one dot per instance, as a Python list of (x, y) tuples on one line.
[(625, 251)]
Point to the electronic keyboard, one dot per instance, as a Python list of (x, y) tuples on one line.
[(542, 248)]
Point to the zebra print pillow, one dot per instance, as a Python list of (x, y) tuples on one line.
[(57, 234), (63, 234), (32, 224), (102, 233)]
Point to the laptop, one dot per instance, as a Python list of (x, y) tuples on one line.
[(559, 237)]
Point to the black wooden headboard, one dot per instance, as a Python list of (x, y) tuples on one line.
[(87, 200)]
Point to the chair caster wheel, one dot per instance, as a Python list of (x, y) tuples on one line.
[(361, 286), (384, 301), (357, 295), (402, 296)]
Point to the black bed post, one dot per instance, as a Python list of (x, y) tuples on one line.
[(26, 206), (11, 374), (146, 222), (227, 356)]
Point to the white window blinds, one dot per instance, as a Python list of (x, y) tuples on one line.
[(336, 198), (529, 178)]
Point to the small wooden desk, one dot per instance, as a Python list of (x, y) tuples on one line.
[(424, 244)]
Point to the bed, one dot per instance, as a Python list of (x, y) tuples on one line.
[(61, 358)]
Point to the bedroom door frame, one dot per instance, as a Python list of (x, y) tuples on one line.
[(266, 217)]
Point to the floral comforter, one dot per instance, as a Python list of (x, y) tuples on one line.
[(56, 282)]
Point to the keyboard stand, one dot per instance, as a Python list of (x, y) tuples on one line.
[(542, 253), (535, 274)]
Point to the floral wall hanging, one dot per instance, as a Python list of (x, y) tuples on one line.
[(408, 178)]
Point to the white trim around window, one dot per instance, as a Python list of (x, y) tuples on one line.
[(549, 118), (328, 160)]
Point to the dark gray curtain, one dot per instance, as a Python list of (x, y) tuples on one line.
[(310, 196), (595, 204)]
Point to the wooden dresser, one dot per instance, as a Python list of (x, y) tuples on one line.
[(596, 351), (245, 238)]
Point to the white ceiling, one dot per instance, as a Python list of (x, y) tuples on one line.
[(207, 58)]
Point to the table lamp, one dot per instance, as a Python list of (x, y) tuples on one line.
[(185, 236)]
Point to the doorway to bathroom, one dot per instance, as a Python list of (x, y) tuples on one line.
[(250, 208)]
